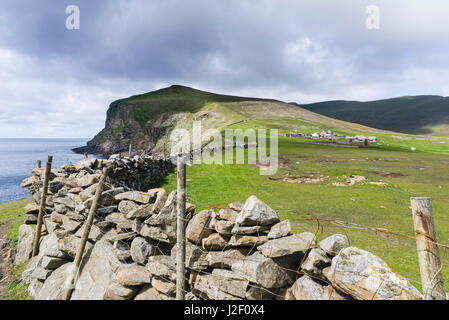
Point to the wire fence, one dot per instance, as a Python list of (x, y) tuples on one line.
[(321, 226)]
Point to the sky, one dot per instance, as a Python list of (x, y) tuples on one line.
[(58, 83)]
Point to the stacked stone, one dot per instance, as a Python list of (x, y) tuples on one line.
[(241, 252)]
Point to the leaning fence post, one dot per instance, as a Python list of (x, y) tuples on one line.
[(181, 229), (428, 253), (43, 204), (87, 227)]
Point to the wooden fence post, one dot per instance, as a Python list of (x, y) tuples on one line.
[(181, 229), (42, 206), (428, 253), (130, 150), (87, 227), (39, 164)]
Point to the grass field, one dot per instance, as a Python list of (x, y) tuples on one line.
[(406, 174), (12, 215)]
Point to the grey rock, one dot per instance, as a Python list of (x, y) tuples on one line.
[(195, 257), (135, 196), (279, 230), (162, 266), (60, 208), (120, 220), (247, 241), (105, 210), (55, 286), (256, 212), (133, 275), (29, 269), (41, 273), (80, 208), (25, 244), (333, 244), (228, 214), (27, 182), (116, 291), (286, 246), (141, 250), (51, 246), (140, 212), (122, 237), (335, 294), (126, 206), (95, 233), (222, 226), (150, 293), (215, 241), (262, 271), (364, 276), (305, 288), (237, 206), (69, 247), (315, 261), (163, 225), (163, 286), (88, 180), (162, 233), (198, 227), (32, 208), (160, 202), (56, 185), (154, 192), (225, 259), (259, 293), (65, 222), (31, 219), (107, 197), (34, 288), (218, 286), (248, 230), (70, 201), (52, 262), (97, 272)]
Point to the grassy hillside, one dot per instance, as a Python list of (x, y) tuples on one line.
[(412, 114), (394, 173), (12, 215), (146, 120)]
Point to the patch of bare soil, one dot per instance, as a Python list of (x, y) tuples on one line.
[(355, 179), (392, 175), (289, 179)]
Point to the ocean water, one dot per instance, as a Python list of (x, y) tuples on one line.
[(19, 156)]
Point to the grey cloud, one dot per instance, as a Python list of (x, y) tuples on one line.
[(290, 50)]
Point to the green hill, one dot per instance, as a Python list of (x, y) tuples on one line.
[(146, 120), (427, 115)]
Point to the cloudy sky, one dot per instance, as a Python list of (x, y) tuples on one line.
[(56, 82)]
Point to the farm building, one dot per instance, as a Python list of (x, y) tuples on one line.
[(327, 133)]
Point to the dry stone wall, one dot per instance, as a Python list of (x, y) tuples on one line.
[(241, 252)]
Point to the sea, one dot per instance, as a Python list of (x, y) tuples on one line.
[(19, 156)]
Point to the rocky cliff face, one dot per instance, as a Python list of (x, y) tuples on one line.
[(122, 129), (146, 119)]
